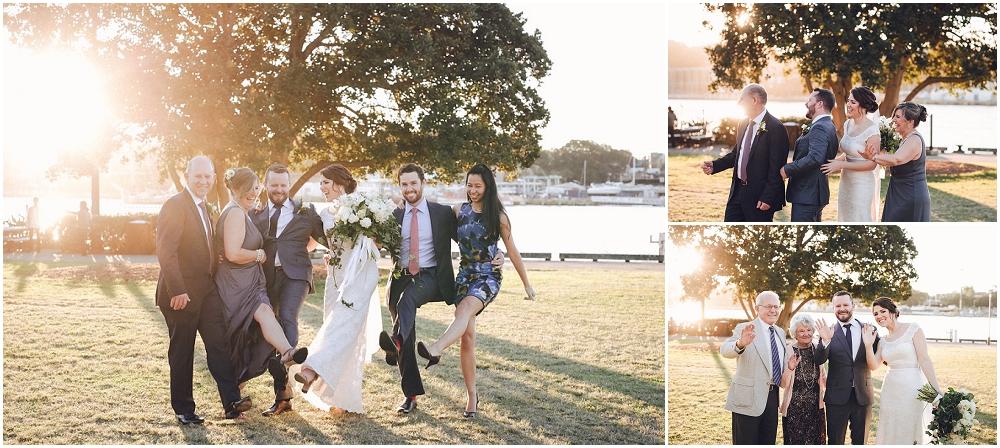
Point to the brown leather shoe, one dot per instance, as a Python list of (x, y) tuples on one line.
[(277, 408)]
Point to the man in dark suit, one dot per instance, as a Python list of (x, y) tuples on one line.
[(757, 191), (808, 187), (423, 273), (187, 295), (849, 391), (290, 232)]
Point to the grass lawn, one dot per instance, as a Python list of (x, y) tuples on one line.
[(699, 380), (85, 363), (694, 197)]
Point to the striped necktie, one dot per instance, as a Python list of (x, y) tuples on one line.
[(775, 359)]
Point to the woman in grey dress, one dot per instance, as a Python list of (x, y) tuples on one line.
[(908, 199), (251, 329)]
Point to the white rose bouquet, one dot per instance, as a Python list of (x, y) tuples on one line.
[(366, 213), (954, 416)]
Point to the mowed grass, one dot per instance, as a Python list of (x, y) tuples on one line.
[(694, 197), (699, 377), (85, 363)]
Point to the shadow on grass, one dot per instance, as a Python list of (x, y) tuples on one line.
[(717, 357), (949, 207)]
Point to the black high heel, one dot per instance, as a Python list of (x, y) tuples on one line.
[(422, 351), (295, 356), (473, 413)]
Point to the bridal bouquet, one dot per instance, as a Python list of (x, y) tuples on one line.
[(890, 139), (953, 417), (366, 213)]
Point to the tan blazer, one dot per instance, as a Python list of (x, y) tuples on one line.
[(788, 381), (749, 388)]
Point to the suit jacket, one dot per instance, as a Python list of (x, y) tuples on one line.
[(186, 264), (444, 229), (768, 153), (749, 388), (291, 244), (845, 370), (806, 183)]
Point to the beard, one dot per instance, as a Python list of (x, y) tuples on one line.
[(847, 318)]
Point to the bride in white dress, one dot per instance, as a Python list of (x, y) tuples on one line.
[(902, 418), (858, 196), (352, 317)]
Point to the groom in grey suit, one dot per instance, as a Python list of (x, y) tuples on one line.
[(849, 391), (759, 349), (808, 188)]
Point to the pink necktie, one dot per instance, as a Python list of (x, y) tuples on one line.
[(745, 152), (414, 243)]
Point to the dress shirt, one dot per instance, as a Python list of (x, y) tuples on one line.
[(752, 129), (283, 219), (855, 335), (426, 238), (816, 118), (197, 205)]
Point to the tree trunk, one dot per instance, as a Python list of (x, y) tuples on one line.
[(841, 89), (892, 87), (175, 178), (95, 193)]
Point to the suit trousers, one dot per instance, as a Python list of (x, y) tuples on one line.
[(838, 416), (287, 296), (807, 213), (406, 294), (182, 327), (759, 430), (737, 212)]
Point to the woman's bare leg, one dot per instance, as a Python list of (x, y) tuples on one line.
[(468, 360), (464, 312), (273, 333)]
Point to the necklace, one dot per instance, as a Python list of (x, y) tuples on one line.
[(473, 207)]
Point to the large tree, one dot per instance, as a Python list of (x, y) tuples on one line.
[(800, 263), (836, 45), (367, 85)]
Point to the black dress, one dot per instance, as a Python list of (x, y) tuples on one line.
[(908, 199), (805, 423)]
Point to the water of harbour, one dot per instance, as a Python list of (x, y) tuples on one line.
[(934, 326), (605, 229), (966, 125)]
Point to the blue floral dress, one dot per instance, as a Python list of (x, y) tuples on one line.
[(476, 274)]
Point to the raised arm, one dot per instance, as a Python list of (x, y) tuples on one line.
[(872, 355), (908, 150)]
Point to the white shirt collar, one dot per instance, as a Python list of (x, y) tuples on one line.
[(197, 200), (283, 204), (760, 118), (422, 206), (821, 116)]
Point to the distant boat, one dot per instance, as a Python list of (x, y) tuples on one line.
[(605, 189), (626, 194)]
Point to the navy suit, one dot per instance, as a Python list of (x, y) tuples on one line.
[(186, 267), (287, 287), (406, 293), (768, 153), (849, 391), (808, 187)]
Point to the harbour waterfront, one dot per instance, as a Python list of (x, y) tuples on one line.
[(966, 125), (609, 229)]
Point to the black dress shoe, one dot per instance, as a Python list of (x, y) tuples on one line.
[(187, 419), (279, 407), (407, 406), (422, 351), (387, 344), (234, 409)]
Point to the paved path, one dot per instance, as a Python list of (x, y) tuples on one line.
[(384, 263)]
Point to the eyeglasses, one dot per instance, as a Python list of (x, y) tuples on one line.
[(771, 307)]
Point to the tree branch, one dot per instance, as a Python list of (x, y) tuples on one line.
[(933, 80)]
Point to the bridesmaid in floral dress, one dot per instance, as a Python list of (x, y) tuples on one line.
[(481, 223)]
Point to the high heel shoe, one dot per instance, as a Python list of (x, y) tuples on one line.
[(306, 383), (422, 351), (294, 356), (473, 413)]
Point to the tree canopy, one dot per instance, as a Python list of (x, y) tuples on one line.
[(800, 263), (368, 85), (836, 45), (603, 162)]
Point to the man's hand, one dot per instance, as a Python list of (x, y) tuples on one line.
[(746, 337), (179, 302), (783, 175), (707, 167), (763, 206)]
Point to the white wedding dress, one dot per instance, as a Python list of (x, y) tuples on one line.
[(349, 335), (858, 197), (902, 418)]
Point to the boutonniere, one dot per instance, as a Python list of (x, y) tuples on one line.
[(303, 206), (762, 127), (806, 127), (212, 209)]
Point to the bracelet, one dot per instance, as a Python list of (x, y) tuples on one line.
[(260, 255)]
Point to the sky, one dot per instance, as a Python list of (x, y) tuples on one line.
[(684, 24), (607, 83), (949, 255)]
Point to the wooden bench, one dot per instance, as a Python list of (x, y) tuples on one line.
[(15, 238), (974, 150), (939, 339), (991, 341), (626, 257)]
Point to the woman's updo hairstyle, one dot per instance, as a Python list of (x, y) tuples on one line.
[(912, 112), (241, 181), (865, 98), (886, 303), (340, 176)]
